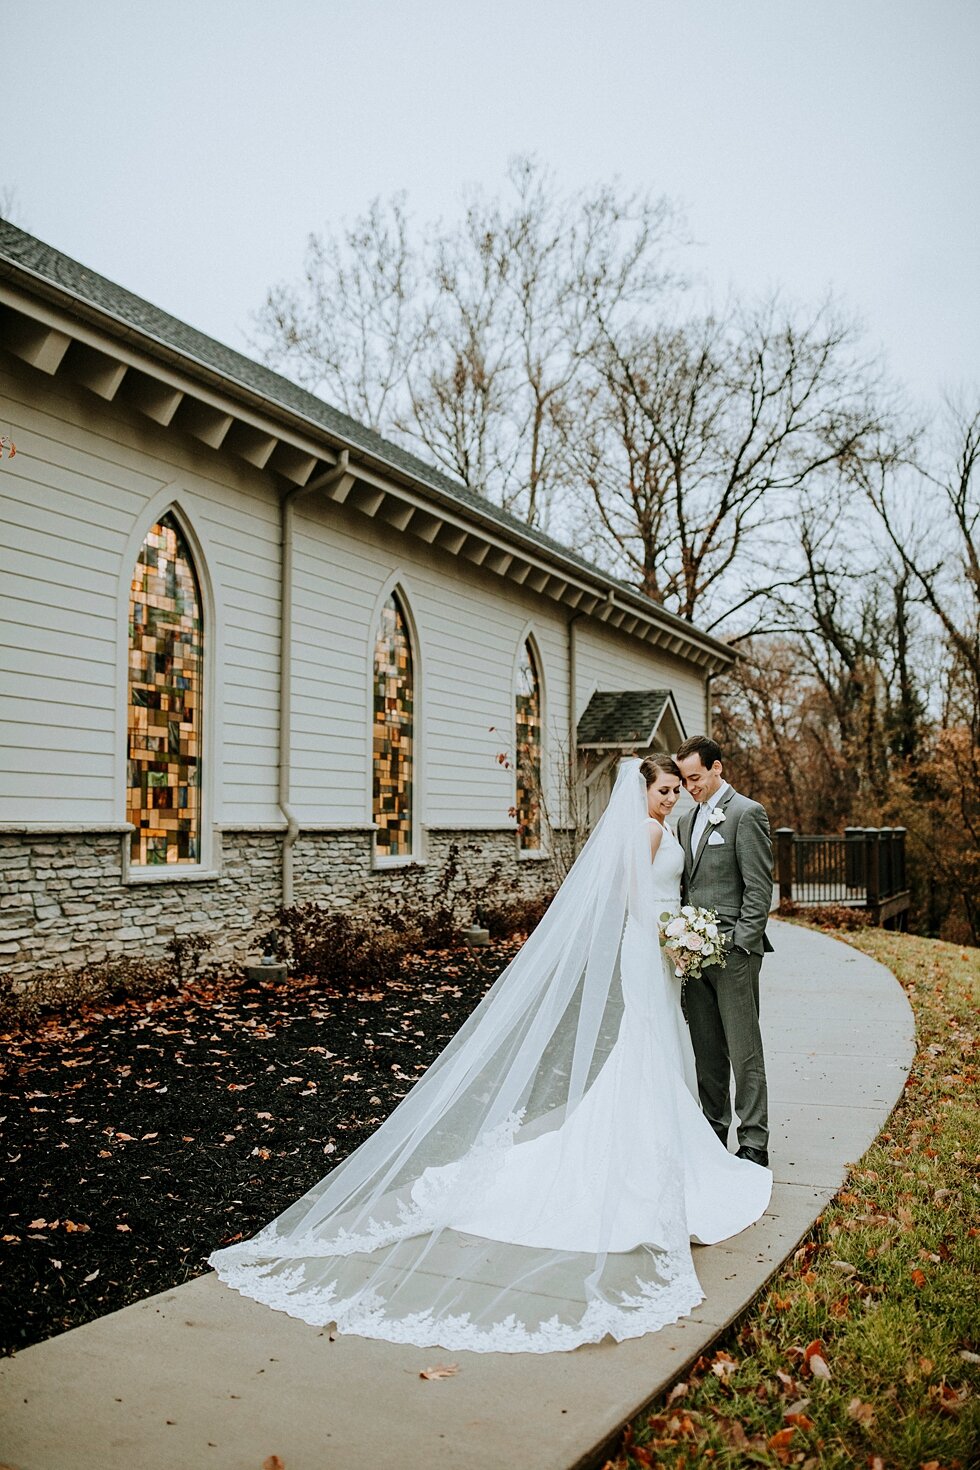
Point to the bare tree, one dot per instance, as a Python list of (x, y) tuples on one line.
[(700, 438), (456, 407), (468, 346), (930, 517), (354, 326)]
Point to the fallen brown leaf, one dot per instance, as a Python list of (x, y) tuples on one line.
[(441, 1370), (781, 1439), (946, 1399), (814, 1359), (723, 1366), (733, 1433)]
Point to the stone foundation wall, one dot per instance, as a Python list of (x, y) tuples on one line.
[(63, 901)]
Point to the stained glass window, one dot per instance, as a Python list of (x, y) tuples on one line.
[(166, 666), (528, 750), (394, 697)]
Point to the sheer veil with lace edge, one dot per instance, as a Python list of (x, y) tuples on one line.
[(514, 1200)]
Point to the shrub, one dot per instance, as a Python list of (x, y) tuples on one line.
[(826, 915), (62, 989), (185, 951), (118, 977), (345, 950), (437, 916), (515, 915)]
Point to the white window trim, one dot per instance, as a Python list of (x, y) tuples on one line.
[(176, 500), (528, 636), (398, 583)]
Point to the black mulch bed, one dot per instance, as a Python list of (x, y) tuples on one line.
[(137, 1137)]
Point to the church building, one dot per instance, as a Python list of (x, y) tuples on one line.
[(253, 654)]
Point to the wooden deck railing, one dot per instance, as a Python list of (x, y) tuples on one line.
[(863, 867)]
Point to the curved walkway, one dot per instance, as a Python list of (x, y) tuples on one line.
[(201, 1377)]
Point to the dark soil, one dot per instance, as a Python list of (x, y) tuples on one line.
[(139, 1136)]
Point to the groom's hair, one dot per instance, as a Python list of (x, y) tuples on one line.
[(702, 745)]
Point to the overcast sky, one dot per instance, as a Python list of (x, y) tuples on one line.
[(185, 148)]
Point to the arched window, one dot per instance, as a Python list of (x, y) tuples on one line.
[(394, 699), (166, 675), (527, 696)]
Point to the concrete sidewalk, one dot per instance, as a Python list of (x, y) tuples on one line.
[(201, 1377)]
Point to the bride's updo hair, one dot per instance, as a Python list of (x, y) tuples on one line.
[(658, 765)]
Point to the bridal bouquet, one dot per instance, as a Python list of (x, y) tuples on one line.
[(692, 940)]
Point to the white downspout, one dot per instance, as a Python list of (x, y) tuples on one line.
[(573, 813), (286, 664)]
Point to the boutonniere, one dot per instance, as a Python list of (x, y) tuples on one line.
[(715, 817)]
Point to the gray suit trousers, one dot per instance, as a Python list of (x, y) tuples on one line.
[(723, 1014)]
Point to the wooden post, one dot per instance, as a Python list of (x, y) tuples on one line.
[(853, 855), (898, 837), (872, 875), (887, 885), (785, 837)]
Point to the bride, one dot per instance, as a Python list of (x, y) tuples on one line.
[(541, 1184)]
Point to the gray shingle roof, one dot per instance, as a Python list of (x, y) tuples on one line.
[(626, 718), (21, 252)]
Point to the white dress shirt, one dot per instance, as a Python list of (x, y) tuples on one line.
[(701, 820)]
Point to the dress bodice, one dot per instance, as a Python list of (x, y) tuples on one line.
[(668, 866)]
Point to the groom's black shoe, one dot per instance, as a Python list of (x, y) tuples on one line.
[(754, 1155)]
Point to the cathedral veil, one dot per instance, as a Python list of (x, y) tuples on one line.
[(500, 1207)]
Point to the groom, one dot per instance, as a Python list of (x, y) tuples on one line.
[(728, 868)]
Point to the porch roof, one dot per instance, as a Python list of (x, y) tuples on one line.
[(625, 719)]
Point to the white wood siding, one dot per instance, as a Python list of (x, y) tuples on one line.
[(469, 626), (606, 660), (82, 485)]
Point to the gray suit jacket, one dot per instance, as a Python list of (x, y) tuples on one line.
[(733, 876)]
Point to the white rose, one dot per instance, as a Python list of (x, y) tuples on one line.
[(675, 928), (688, 911), (712, 931), (693, 942), (716, 817)]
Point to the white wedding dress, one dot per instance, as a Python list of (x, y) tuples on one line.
[(544, 1193), (542, 1183)]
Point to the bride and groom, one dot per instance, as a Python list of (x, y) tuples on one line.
[(541, 1184)]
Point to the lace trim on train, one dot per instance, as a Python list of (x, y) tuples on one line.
[(654, 1305)]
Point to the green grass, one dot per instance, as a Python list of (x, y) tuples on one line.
[(882, 1294)]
